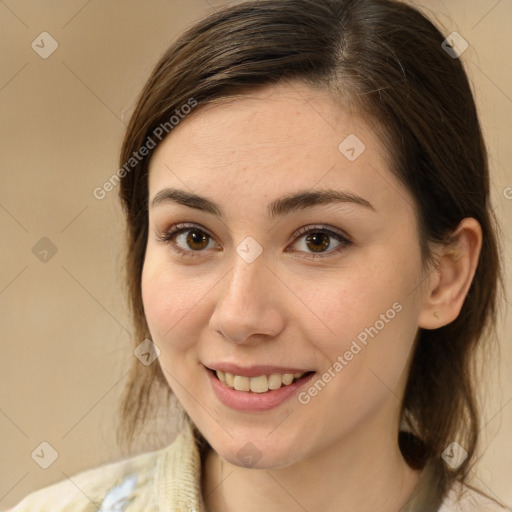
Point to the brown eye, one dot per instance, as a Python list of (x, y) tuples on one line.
[(197, 240), (313, 242), (317, 242), (188, 240)]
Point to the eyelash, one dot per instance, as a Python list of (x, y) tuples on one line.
[(177, 229)]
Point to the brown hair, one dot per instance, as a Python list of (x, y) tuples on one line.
[(386, 59)]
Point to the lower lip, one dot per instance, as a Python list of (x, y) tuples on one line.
[(250, 401)]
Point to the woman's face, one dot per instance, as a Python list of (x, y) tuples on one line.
[(267, 277)]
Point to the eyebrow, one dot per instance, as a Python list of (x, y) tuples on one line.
[(277, 208)]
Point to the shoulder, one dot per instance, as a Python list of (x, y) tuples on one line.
[(463, 498), (165, 479), (109, 487)]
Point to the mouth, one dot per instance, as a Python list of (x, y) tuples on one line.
[(259, 383)]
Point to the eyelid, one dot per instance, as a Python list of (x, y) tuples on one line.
[(322, 228)]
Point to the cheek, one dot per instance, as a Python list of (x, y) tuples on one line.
[(371, 323), (365, 369), (171, 305), (348, 306)]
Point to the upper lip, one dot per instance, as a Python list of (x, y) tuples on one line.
[(255, 370)]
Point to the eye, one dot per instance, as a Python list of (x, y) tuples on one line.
[(187, 239), (318, 239), (190, 240)]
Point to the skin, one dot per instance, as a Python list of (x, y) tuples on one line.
[(340, 450)]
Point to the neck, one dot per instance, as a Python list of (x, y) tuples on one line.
[(363, 472)]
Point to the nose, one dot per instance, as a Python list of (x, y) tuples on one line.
[(247, 307)]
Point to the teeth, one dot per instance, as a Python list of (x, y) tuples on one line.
[(274, 381), (287, 378), (241, 383), (259, 384)]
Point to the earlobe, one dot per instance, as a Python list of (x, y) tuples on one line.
[(451, 280)]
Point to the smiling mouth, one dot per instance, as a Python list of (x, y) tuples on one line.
[(259, 384)]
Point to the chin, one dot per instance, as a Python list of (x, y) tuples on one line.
[(257, 453)]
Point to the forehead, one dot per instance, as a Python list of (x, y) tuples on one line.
[(278, 139)]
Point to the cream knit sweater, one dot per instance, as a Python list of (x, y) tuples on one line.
[(167, 480)]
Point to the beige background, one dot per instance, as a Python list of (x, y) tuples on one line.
[(65, 325)]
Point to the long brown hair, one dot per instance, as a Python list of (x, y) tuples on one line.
[(386, 60)]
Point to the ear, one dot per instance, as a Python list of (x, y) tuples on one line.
[(449, 283)]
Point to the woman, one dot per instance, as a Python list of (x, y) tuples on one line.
[(312, 259)]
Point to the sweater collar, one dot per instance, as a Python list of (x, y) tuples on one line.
[(177, 484)]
